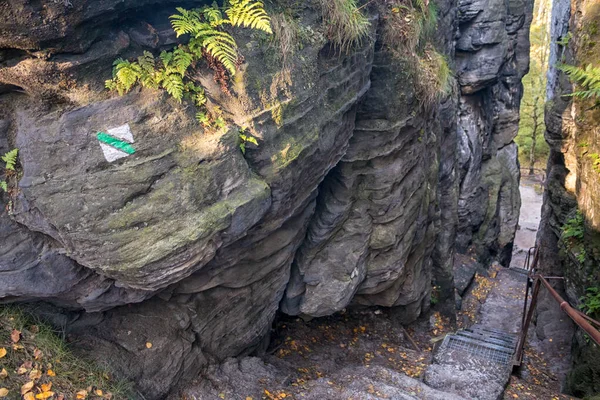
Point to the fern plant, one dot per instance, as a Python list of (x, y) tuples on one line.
[(245, 139), (591, 301), (10, 162), (588, 78), (572, 236), (208, 39)]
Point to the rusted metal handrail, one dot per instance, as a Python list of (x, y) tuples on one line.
[(577, 316), (571, 312)]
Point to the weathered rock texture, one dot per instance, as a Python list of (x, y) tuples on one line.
[(491, 56), (354, 195), (573, 184)]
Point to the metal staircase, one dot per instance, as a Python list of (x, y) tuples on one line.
[(484, 343)]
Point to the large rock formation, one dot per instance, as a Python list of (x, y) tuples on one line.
[(354, 195), (492, 57), (573, 183)]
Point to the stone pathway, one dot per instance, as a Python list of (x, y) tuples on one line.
[(483, 352)]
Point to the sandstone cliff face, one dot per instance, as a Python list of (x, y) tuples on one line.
[(572, 185), (354, 195), (491, 54)]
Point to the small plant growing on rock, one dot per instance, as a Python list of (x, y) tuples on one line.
[(209, 40), (245, 139), (10, 162), (572, 236), (591, 301)]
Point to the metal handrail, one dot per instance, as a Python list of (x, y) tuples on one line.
[(577, 316)]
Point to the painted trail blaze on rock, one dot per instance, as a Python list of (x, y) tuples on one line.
[(116, 143)]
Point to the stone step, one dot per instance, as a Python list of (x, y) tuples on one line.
[(506, 337)]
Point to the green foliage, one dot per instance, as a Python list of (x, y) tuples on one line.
[(346, 25), (572, 236), (533, 149), (208, 38), (591, 301), (10, 159), (564, 41), (10, 162), (588, 78), (245, 139)]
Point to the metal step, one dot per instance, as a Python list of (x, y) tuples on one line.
[(494, 331), (487, 339), (507, 338), (478, 348)]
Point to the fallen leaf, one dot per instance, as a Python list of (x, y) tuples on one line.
[(15, 336), (29, 396), (98, 392), (46, 387), (22, 371), (82, 394), (3, 392), (3, 373), (35, 374), (51, 373), (37, 353), (148, 345), (2, 352), (516, 396), (27, 387), (44, 395)]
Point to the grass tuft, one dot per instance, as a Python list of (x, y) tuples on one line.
[(34, 354), (346, 25)]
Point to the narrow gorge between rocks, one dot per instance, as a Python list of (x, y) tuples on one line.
[(297, 199)]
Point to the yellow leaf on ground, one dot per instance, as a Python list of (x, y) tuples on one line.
[(148, 345), (3, 392), (27, 387), (29, 396), (46, 387), (3, 373), (44, 395), (82, 394), (98, 392), (2, 352), (35, 374), (51, 373)]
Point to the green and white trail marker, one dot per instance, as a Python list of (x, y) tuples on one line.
[(116, 143)]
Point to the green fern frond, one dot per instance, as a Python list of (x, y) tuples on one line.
[(146, 61), (182, 59), (222, 46), (249, 14), (588, 78), (4, 186), (173, 84), (187, 21), (213, 15), (10, 159)]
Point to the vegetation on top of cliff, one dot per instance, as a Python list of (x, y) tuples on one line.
[(35, 363), (533, 149), (408, 33), (208, 40), (346, 25)]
